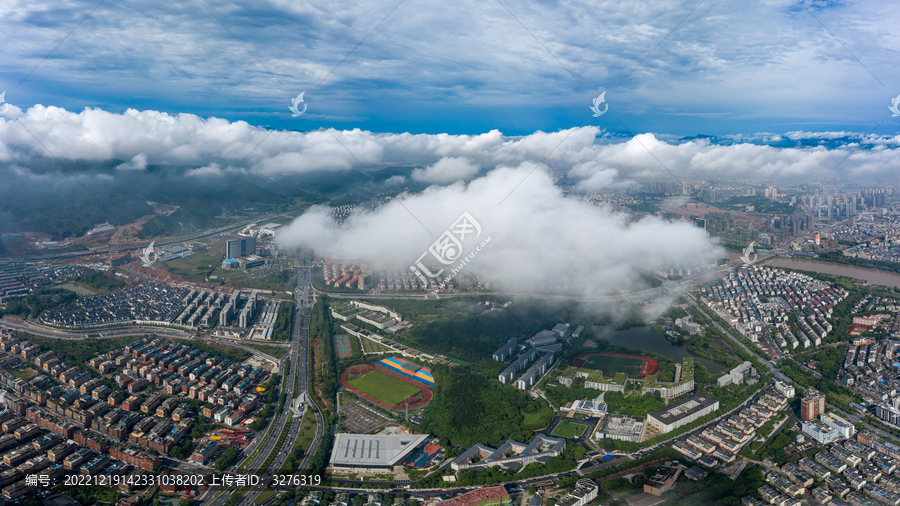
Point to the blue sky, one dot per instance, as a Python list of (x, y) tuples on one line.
[(733, 67)]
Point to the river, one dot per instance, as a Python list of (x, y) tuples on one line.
[(873, 276), (647, 339)]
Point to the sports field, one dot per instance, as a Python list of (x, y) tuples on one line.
[(342, 346), (384, 387), (611, 363), (568, 429)]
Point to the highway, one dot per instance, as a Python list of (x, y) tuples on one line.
[(164, 242), (298, 356), (304, 367), (74, 335)]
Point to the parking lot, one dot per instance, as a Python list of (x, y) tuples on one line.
[(360, 420)]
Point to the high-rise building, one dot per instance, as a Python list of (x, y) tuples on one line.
[(812, 405), (242, 247)]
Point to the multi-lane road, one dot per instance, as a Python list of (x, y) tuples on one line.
[(296, 384), (164, 242), (16, 323)]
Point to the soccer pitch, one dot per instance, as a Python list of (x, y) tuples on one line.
[(568, 429), (384, 387)]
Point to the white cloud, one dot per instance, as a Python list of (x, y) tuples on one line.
[(216, 145), (394, 181), (446, 170), (212, 170), (138, 162), (539, 237), (595, 177)]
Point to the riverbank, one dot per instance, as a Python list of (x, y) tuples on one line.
[(871, 276)]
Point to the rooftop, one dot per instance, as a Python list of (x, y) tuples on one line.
[(373, 450), (683, 408)]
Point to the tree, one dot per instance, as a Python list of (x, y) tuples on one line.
[(226, 459)]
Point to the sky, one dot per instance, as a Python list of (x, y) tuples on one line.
[(677, 68), (488, 102)]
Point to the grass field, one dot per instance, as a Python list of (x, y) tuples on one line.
[(384, 387), (198, 265), (273, 351), (529, 419), (25, 374), (371, 346), (566, 428), (608, 364)]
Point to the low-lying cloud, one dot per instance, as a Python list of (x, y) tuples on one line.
[(446, 170), (539, 238)]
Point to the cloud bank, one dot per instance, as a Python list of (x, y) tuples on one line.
[(211, 146), (539, 237)]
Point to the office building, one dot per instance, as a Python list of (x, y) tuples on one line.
[(585, 491), (682, 412), (845, 428), (820, 432), (621, 428), (242, 247), (785, 389)]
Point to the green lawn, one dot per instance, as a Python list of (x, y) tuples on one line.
[(25, 374), (273, 351), (529, 419), (568, 429), (278, 281), (384, 387), (371, 346), (198, 265), (609, 364)]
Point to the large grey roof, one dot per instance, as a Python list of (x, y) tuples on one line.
[(373, 450)]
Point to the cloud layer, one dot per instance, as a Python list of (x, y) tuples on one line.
[(539, 238), (210, 147)]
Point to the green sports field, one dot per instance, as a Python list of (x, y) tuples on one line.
[(566, 428), (384, 387)]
